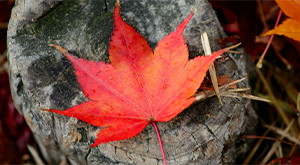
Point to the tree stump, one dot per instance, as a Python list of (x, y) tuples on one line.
[(41, 77)]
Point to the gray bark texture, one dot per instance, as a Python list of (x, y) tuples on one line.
[(41, 77)]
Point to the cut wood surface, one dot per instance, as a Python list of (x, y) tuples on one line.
[(41, 77)]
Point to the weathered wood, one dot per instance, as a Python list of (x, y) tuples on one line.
[(41, 77)]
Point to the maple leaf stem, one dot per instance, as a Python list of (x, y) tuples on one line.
[(160, 143), (259, 63)]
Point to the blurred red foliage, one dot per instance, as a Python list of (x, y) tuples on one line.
[(14, 132)]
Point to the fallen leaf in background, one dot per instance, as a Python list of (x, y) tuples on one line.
[(293, 159), (281, 45), (291, 26)]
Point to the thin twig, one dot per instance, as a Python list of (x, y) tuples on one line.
[(256, 146), (235, 52), (283, 133), (35, 155), (232, 83), (277, 143), (255, 98), (285, 61), (238, 90), (272, 97), (298, 102), (268, 138), (224, 91)]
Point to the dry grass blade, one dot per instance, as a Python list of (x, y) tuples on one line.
[(277, 143), (291, 90), (281, 113), (238, 90), (3, 57), (269, 138), (247, 96), (212, 71), (234, 46), (230, 94), (225, 91), (203, 95), (298, 102), (35, 155), (224, 87), (256, 146), (254, 98), (288, 65), (235, 52), (298, 108), (283, 133), (3, 63)]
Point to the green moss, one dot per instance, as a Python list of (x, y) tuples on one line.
[(65, 24)]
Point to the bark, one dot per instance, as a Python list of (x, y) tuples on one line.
[(41, 77)]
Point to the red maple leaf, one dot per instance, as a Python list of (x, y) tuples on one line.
[(137, 87)]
